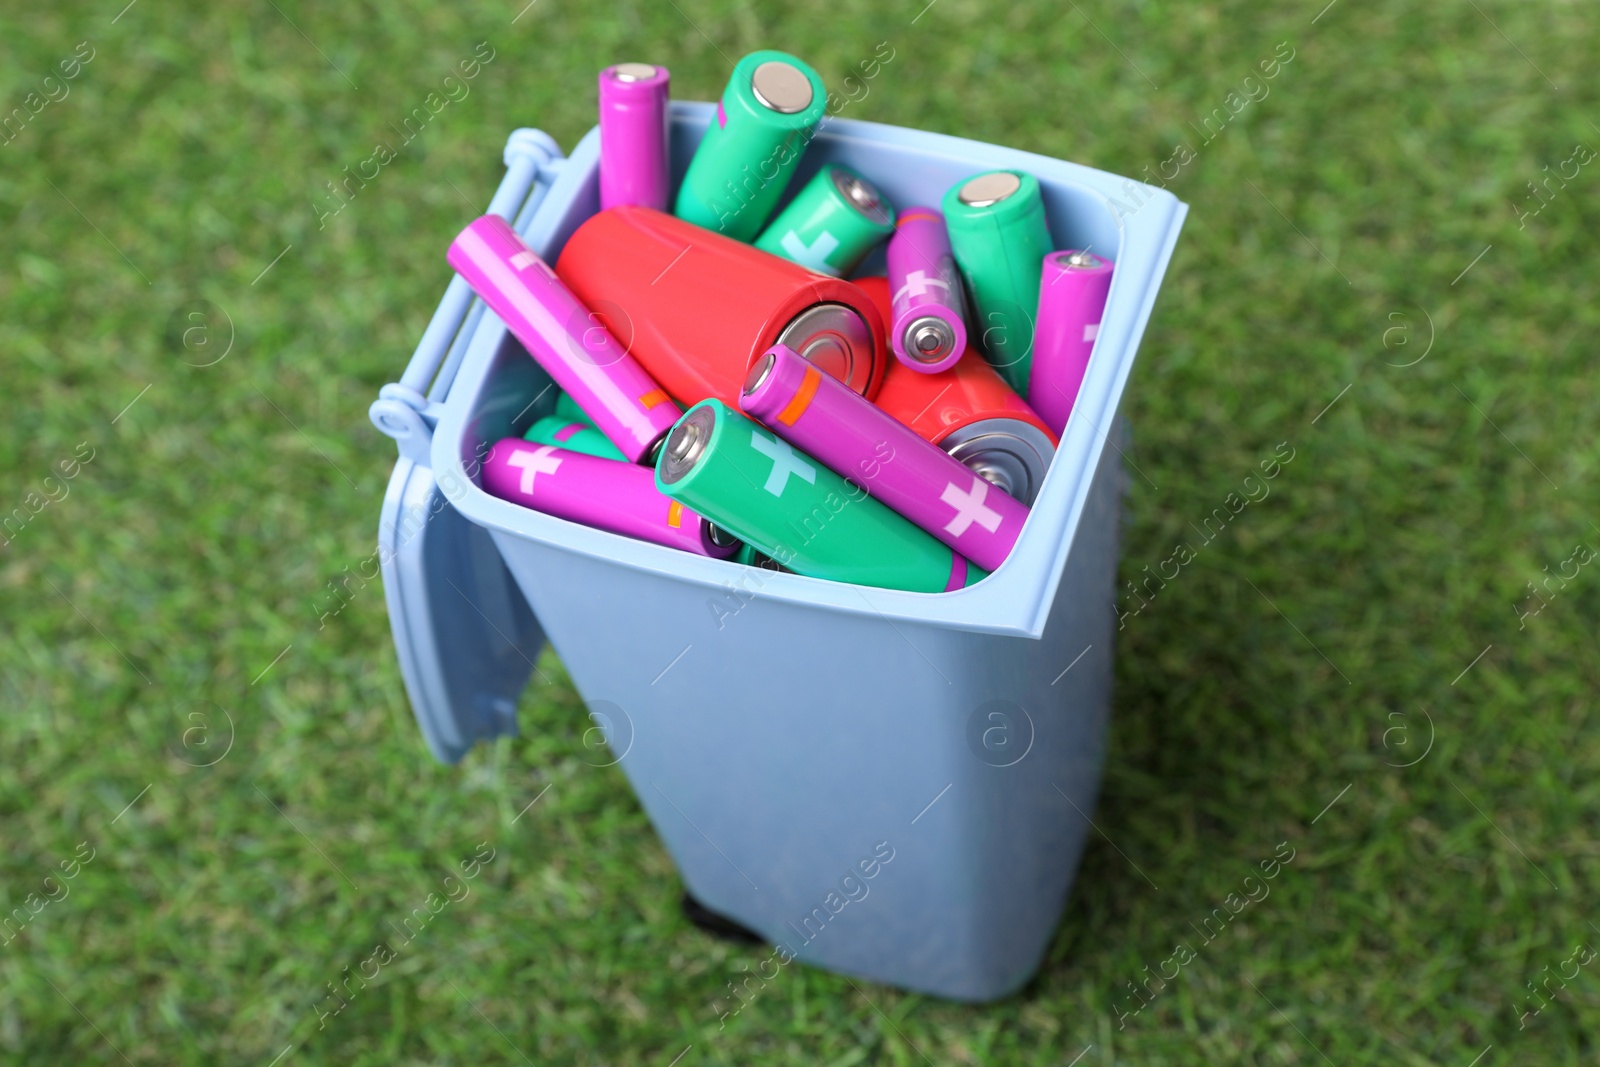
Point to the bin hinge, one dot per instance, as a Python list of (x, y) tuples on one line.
[(409, 417)]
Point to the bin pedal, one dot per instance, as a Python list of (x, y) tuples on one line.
[(718, 925)]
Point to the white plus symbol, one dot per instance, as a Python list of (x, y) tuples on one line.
[(784, 463), (814, 255), (970, 508), (539, 461), (920, 283)]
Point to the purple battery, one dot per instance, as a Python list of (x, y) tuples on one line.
[(928, 333), (564, 337), (604, 493), (1072, 298), (633, 135), (829, 421)]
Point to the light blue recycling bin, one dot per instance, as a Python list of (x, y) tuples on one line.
[(896, 786)]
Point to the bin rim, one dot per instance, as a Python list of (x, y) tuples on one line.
[(1013, 601)]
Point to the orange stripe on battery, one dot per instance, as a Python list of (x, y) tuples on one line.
[(652, 398), (802, 397), (675, 515), (920, 216)]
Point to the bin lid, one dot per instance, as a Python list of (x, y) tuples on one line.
[(466, 638)]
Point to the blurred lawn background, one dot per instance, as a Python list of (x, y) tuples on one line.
[(1374, 611)]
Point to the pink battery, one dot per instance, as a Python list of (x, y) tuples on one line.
[(633, 135), (604, 493), (1072, 299), (928, 333), (829, 421), (564, 337)]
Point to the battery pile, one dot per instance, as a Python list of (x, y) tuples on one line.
[(726, 391)]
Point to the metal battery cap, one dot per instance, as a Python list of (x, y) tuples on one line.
[(991, 188), (1008, 453), (861, 195), (720, 537), (633, 72), (758, 372), (781, 87), (686, 445), (928, 339), (835, 339), (1079, 260)]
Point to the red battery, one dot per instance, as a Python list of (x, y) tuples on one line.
[(697, 309), (970, 412)]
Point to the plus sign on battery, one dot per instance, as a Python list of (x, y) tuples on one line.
[(815, 255), (784, 463), (539, 461), (970, 508), (921, 283)]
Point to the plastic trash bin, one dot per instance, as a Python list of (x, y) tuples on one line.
[(892, 785)]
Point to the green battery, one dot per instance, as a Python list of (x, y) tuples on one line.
[(831, 223), (573, 436), (797, 511), (766, 117), (568, 409), (999, 237)]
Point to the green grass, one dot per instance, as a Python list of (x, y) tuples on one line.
[(1299, 658)]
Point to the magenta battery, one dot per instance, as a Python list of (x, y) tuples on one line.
[(564, 337), (823, 417), (633, 135), (929, 333), (604, 493), (1072, 298)]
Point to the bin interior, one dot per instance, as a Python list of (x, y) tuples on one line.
[(500, 391)]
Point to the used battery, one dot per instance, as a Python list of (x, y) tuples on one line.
[(999, 236), (563, 336), (928, 332), (702, 307), (751, 556), (971, 413), (620, 497), (1072, 298), (568, 409), (796, 510), (834, 221), (865, 444), (573, 436), (766, 117), (633, 135)]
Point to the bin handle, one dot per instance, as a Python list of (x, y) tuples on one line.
[(403, 411)]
